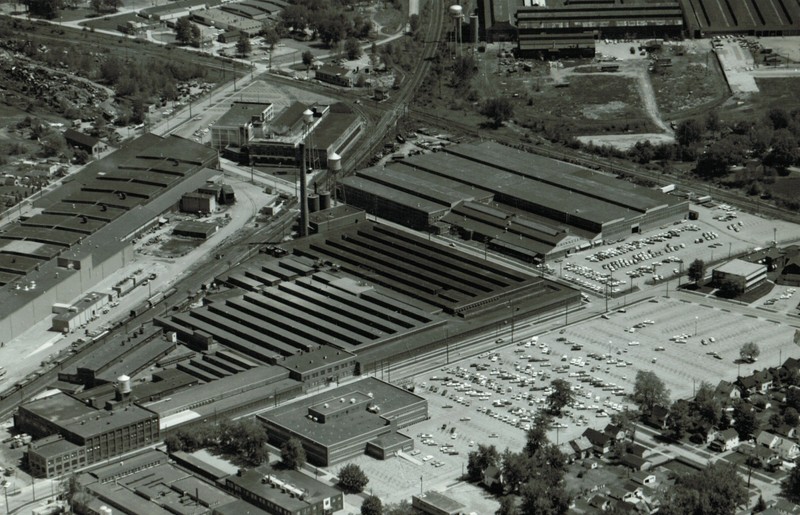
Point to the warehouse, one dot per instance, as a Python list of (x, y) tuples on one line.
[(85, 230), (339, 424), (497, 20), (195, 229), (284, 492), (743, 274), (241, 123), (89, 433), (570, 29), (79, 313), (529, 206), (742, 17)]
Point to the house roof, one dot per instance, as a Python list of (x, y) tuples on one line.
[(633, 461), (580, 444), (637, 449), (596, 437), (728, 434), (71, 135), (612, 429), (640, 476)]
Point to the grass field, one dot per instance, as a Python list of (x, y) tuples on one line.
[(688, 86)]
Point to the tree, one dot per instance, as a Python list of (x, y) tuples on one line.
[(760, 505), (679, 419), (536, 437), (728, 289), (481, 459), (53, 144), (749, 352), (688, 132), (372, 505), (784, 152), (721, 155), (183, 31), (352, 49), (561, 396), (498, 109), (648, 391), (793, 398), (791, 417), (706, 405), (308, 59), (44, 8), (712, 121), (791, 485), (352, 479), (744, 420), (508, 506), (716, 490), (293, 456), (243, 45), (413, 23), (401, 508), (464, 69), (697, 270), (542, 498)]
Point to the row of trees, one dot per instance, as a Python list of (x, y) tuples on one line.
[(329, 20), (535, 474)]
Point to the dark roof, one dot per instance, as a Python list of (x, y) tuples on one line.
[(596, 437), (633, 461), (74, 136), (728, 434)]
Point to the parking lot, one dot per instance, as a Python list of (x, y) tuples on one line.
[(665, 253), (491, 398)]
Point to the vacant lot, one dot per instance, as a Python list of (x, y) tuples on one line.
[(692, 83)]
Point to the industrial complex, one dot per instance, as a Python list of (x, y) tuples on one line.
[(528, 206)]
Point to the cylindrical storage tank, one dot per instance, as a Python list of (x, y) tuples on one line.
[(325, 200), (313, 203), (473, 28), (334, 162), (456, 11), (124, 384)]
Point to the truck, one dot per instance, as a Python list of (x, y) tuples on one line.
[(667, 189)]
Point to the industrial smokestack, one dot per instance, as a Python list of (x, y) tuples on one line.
[(303, 193)]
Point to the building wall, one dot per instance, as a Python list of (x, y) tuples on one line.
[(57, 465)]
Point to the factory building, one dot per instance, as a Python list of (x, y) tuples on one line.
[(241, 123), (572, 28), (88, 434), (284, 492), (336, 75), (357, 418), (69, 318), (742, 17), (528, 206), (84, 231), (216, 17), (743, 274), (333, 130), (497, 19)]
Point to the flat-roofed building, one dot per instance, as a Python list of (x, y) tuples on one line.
[(743, 274), (572, 28), (526, 205), (340, 424), (240, 124), (436, 503), (285, 492), (101, 434), (337, 75)]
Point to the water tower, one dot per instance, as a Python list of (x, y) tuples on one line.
[(457, 15)]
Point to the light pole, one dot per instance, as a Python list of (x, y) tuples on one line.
[(695, 326)]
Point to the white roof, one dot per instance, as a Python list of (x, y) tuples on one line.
[(741, 267)]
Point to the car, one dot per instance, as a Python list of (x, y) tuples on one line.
[(660, 348), (427, 458), (494, 435), (415, 452), (499, 340)]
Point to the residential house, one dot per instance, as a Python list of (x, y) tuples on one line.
[(601, 442), (492, 477), (600, 502), (634, 462), (726, 440), (767, 439), (766, 458), (642, 477), (615, 432), (90, 144), (628, 492), (785, 507), (763, 380), (726, 392), (747, 384), (786, 431), (787, 450), (760, 401), (658, 417), (637, 449), (580, 448)]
